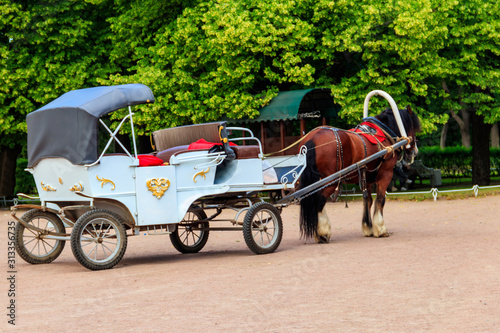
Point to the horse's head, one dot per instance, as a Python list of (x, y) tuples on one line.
[(412, 126)]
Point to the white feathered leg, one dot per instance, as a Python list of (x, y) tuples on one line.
[(379, 229), (324, 231)]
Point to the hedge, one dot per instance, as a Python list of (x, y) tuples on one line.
[(455, 161), (25, 183)]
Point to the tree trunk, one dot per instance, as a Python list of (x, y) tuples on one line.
[(495, 139), (464, 124), (8, 158), (444, 134), (480, 151), (465, 129)]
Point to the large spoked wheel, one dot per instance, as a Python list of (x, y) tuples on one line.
[(99, 239), (31, 244), (262, 228), (190, 236)]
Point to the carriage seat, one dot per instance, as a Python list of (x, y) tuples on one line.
[(241, 152), (167, 153), (185, 135), (245, 152), (173, 140)]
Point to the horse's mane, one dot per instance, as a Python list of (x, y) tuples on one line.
[(410, 120)]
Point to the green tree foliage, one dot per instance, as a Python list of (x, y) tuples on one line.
[(47, 48), (392, 46), (471, 57), (225, 58), (205, 60)]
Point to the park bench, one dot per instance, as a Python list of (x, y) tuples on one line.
[(421, 172)]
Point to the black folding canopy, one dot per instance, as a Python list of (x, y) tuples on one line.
[(68, 126)]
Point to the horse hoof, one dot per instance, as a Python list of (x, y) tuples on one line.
[(383, 235), (322, 239)]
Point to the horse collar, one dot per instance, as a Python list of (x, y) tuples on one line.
[(381, 125)]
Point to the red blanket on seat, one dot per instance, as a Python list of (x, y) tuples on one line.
[(149, 160), (204, 144), (372, 137)]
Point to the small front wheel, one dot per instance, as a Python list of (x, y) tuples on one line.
[(262, 228), (190, 235), (99, 239), (31, 245)]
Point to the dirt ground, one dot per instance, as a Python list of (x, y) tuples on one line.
[(439, 271)]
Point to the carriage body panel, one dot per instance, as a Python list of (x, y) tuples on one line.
[(157, 195)]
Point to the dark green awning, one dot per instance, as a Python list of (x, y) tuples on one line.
[(296, 104)]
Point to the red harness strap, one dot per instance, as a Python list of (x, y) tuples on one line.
[(377, 134)]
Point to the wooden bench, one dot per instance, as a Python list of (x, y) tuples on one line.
[(421, 172)]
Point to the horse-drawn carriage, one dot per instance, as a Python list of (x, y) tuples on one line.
[(196, 170), (105, 197)]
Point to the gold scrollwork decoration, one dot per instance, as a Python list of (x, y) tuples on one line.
[(158, 186), (60, 181), (105, 181), (47, 188), (202, 173), (77, 187)]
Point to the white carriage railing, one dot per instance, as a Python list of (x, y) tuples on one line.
[(135, 161), (216, 158), (251, 137), (295, 172)]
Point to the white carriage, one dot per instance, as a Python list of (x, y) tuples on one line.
[(179, 191)]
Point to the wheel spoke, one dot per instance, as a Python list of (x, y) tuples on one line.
[(186, 233), (34, 246), (105, 247), (107, 230), (44, 248), (45, 242), (33, 232), (268, 238), (26, 243), (183, 233), (87, 254), (89, 232)]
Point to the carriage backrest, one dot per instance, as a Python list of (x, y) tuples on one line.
[(185, 135)]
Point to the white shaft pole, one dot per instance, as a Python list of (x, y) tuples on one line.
[(394, 108)]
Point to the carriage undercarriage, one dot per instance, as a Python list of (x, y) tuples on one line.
[(99, 237)]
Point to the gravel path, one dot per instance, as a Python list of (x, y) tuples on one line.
[(439, 271)]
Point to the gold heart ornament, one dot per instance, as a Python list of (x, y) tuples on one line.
[(158, 186)]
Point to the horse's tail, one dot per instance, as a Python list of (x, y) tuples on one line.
[(309, 206)]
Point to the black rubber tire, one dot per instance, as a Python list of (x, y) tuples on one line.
[(181, 240), (48, 249), (263, 221), (108, 223)]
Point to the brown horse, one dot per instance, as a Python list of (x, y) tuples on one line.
[(330, 150)]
